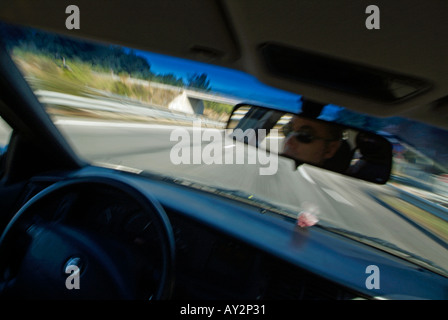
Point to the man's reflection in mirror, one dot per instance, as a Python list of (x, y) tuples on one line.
[(315, 142), (322, 144), (310, 141)]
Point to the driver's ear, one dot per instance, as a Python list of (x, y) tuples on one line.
[(331, 148)]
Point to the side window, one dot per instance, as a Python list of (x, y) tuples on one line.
[(5, 135)]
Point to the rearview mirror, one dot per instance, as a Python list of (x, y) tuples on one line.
[(331, 146)]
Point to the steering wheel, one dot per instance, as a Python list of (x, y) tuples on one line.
[(88, 238)]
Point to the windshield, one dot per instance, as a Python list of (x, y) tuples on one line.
[(146, 112)]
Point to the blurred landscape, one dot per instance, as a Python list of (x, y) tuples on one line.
[(50, 62)]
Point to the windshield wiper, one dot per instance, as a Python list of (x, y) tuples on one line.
[(265, 206)]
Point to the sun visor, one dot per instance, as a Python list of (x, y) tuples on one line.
[(331, 73)]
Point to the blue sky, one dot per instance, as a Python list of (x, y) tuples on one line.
[(221, 79), (231, 82)]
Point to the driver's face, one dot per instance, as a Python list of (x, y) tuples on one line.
[(315, 150)]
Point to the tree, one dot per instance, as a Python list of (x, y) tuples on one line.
[(169, 78), (198, 81)]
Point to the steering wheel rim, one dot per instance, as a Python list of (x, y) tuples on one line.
[(149, 205)]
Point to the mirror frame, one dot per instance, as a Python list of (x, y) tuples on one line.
[(277, 114)]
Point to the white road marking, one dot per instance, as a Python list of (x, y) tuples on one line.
[(336, 196), (305, 175)]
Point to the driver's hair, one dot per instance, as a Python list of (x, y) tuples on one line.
[(335, 132)]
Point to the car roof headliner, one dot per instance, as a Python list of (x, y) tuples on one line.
[(411, 39)]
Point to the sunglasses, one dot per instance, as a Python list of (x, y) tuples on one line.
[(303, 136)]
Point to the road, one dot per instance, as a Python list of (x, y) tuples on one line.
[(338, 201)]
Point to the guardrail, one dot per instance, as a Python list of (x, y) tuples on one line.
[(116, 105)]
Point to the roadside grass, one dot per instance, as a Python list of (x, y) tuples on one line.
[(75, 77), (216, 110), (422, 217)]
